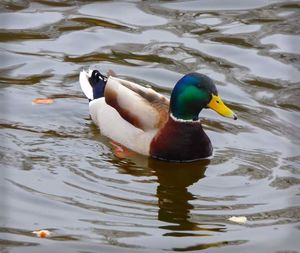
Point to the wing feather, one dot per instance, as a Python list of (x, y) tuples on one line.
[(142, 107)]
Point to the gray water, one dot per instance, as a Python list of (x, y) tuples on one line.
[(58, 173)]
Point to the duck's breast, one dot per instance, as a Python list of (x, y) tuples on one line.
[(181, 142)]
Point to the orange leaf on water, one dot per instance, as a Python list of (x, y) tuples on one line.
[(42, 101), (42, 233)]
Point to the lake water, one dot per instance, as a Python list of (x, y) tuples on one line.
[(58, 173)]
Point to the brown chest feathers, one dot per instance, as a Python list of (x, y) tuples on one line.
[(181, 141)]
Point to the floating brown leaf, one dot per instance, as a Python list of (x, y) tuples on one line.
[(42, 101), (42, 233)]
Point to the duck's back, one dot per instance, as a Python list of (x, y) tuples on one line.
[(142, 107)]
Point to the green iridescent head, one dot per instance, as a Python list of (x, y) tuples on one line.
[(192, 93)]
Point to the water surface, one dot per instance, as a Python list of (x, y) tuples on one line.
[(60, 174)]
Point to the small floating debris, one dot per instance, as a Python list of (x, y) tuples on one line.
[(238, 219), (45, 101), (42, 233)]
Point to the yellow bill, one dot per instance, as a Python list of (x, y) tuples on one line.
[(218, 105)]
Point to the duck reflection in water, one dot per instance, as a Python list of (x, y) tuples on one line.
[(172, 191), (173, 194)]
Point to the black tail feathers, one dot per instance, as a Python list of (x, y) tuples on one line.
[(98, 82)]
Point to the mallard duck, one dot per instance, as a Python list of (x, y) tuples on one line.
[(147, 122)]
